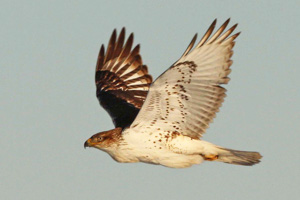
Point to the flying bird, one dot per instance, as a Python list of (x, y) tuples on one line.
[(162, 122)]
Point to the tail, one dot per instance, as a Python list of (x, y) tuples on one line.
[(236, 157)]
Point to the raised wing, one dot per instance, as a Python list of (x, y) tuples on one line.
[(122, 80), (187, 96)]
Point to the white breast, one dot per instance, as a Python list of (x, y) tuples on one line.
[(162, 148)]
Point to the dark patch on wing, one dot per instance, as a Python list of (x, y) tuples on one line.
[(122, 80)]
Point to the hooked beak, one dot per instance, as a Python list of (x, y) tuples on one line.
[(87, 143)]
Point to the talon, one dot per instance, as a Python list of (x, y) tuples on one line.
[(210, 157)]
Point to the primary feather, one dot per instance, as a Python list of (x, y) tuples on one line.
[(122, 80)]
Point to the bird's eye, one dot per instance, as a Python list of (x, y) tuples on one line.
[(100, 139)]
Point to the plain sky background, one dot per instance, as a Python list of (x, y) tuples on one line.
[(48, 107)]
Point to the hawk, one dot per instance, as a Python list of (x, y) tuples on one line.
[(162, 122)]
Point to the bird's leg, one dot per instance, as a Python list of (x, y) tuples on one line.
[(210, 157)]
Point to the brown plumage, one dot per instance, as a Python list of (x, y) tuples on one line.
[(106, 138), (122, 80)]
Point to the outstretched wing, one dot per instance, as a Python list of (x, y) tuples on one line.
[(122, 80), (187, 96)]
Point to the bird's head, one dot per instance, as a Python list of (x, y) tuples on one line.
[(105, 139)]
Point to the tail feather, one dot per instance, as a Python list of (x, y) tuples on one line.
[(236, 157)]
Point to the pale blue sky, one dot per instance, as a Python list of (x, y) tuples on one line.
[(48, 105)]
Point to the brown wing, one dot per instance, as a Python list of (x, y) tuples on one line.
[(122, 80)]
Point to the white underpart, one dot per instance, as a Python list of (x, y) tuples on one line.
[(177, 152)]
